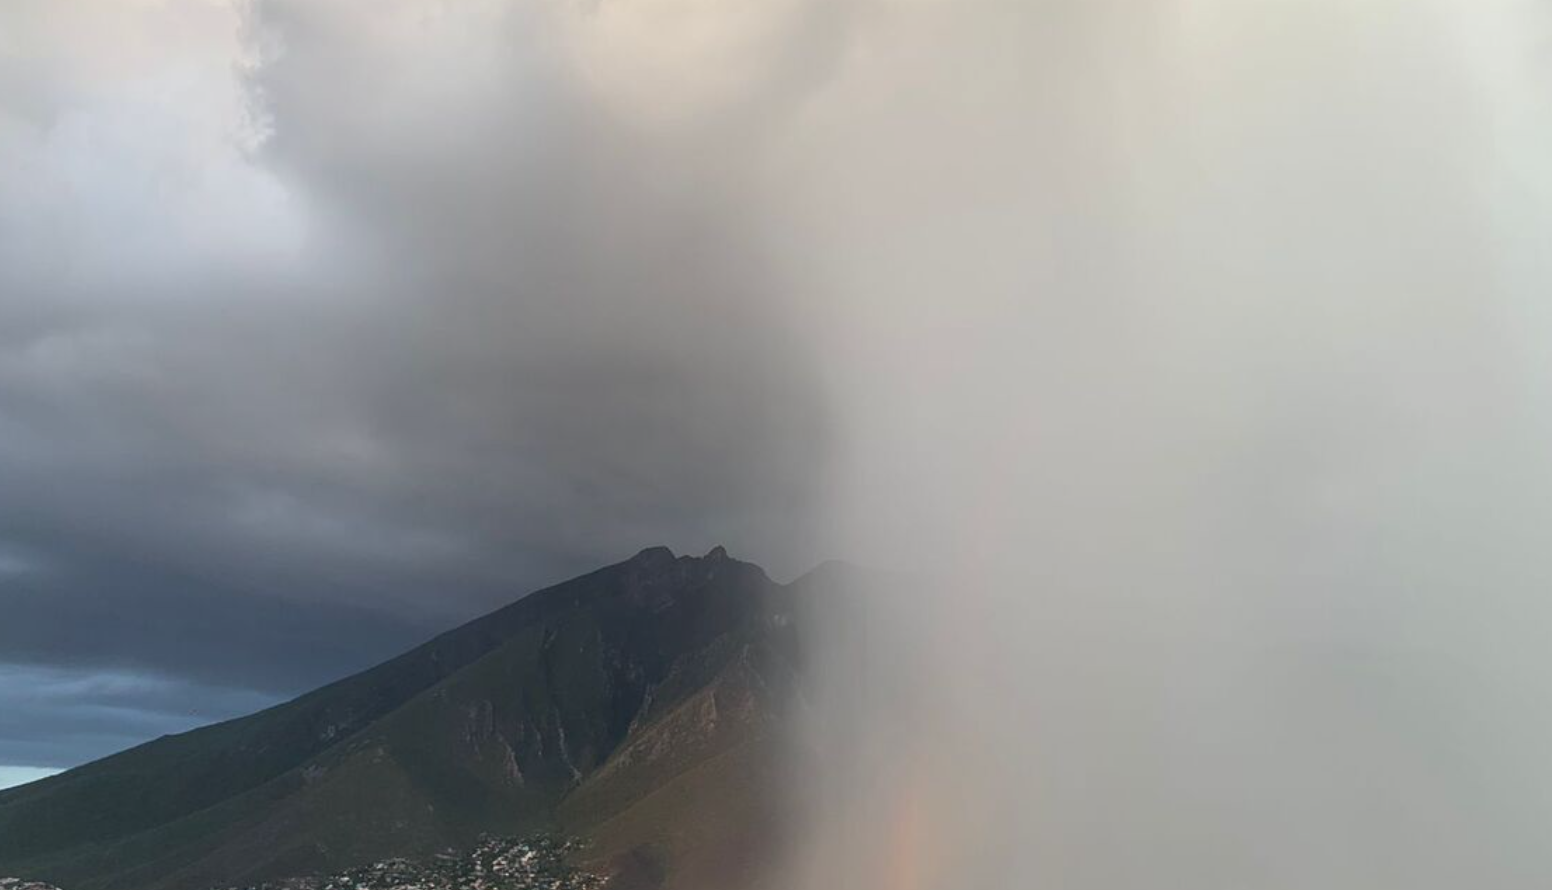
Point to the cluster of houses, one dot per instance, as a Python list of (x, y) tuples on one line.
[(532, 863), (19, 884)]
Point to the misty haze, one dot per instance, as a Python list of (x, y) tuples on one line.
[(775, 444)]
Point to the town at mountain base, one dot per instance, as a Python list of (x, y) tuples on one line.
[(533, 863), (19, 884), (639, 710)]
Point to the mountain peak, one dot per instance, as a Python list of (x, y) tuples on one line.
[(654, 556), (657, 558)]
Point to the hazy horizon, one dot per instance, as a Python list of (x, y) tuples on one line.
[(11, 776)]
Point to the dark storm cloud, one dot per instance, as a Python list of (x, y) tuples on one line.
[(106, 614), (56, 718), (325, 326)]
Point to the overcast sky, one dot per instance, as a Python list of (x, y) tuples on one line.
[(1194, 351), (325, 326)]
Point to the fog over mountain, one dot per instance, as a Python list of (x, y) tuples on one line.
[(1185, 359), (1195, 351)]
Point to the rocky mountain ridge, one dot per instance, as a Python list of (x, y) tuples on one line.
[(637, 707)]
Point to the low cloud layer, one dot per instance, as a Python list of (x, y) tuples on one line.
[(49, 716)]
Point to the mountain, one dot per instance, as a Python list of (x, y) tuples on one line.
[(636, 707)]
